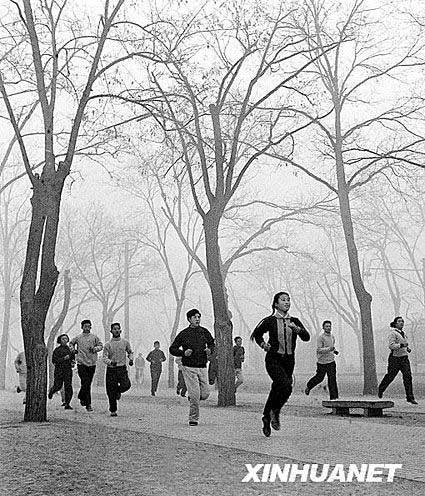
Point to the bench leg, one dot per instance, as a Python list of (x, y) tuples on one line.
[(372, 412), (339, 410)]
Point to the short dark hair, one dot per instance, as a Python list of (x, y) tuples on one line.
[(276, 298), (192, 313), (155, 342), (394, 322), (115, 324), (326, 322), (58, 339), (236, 338), (85, 321)]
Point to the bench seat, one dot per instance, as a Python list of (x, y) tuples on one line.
[(371, 408)]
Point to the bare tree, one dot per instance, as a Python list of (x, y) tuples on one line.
[(99, 265), (40, 272), (347, 138), (225, 115)]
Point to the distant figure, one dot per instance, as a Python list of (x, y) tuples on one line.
[(87, 346), (21, 369), (238, 358), (325, 362), (213, 368), (114, 355), (181, 384), (398, 360), (155, 357), (63, 360), (194, 344), (139, 364), (283, 330)]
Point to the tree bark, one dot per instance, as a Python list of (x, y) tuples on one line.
[(171, 378), (364, 298), (35, 301), (222, 324)]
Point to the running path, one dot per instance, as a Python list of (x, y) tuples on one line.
[(305, 439)]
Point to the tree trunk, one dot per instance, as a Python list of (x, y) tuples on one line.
[(222, 323), (7, 302), (39, 269), (364, 299), (171, 378)]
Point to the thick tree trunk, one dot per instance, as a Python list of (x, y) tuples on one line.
[(39, 269), (7, 303), (364, 299), (222, 323)]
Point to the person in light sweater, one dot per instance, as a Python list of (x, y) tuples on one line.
[(114, 355), (86, 346), (398, 361), (325, 361)]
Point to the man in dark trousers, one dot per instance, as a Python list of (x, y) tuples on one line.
[(155, 357), (325, 361), (238, 358), (398, 361), (115, 353), (194, 344), (87, 346)]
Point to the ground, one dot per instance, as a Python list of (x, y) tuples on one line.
[(150, 450)]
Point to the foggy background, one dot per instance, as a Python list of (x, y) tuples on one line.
[(128, 213)]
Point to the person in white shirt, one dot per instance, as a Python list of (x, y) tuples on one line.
[(114, 355), (398, 361), (325, 361), (87, 346)]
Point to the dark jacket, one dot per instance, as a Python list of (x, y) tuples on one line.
[(269, 324), (58, 357), (238, 356), (156, 357), (197, 339)]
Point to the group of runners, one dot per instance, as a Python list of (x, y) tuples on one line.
[(194, 346)]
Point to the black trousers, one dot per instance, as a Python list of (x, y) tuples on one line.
[(280, 368), (117, 381), (322, 370), (181, 385), (155, 375), (63, 377), (86, 374), (212, 372), (396, 365)]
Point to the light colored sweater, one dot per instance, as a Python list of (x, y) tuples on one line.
[(324, 344), (397, 343), (115, 351), (87, 346)]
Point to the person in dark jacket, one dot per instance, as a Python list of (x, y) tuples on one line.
[(194, 344), (155, 357), (63, 360), (283, 331)]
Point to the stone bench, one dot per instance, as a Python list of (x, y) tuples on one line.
[(371, 408)]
